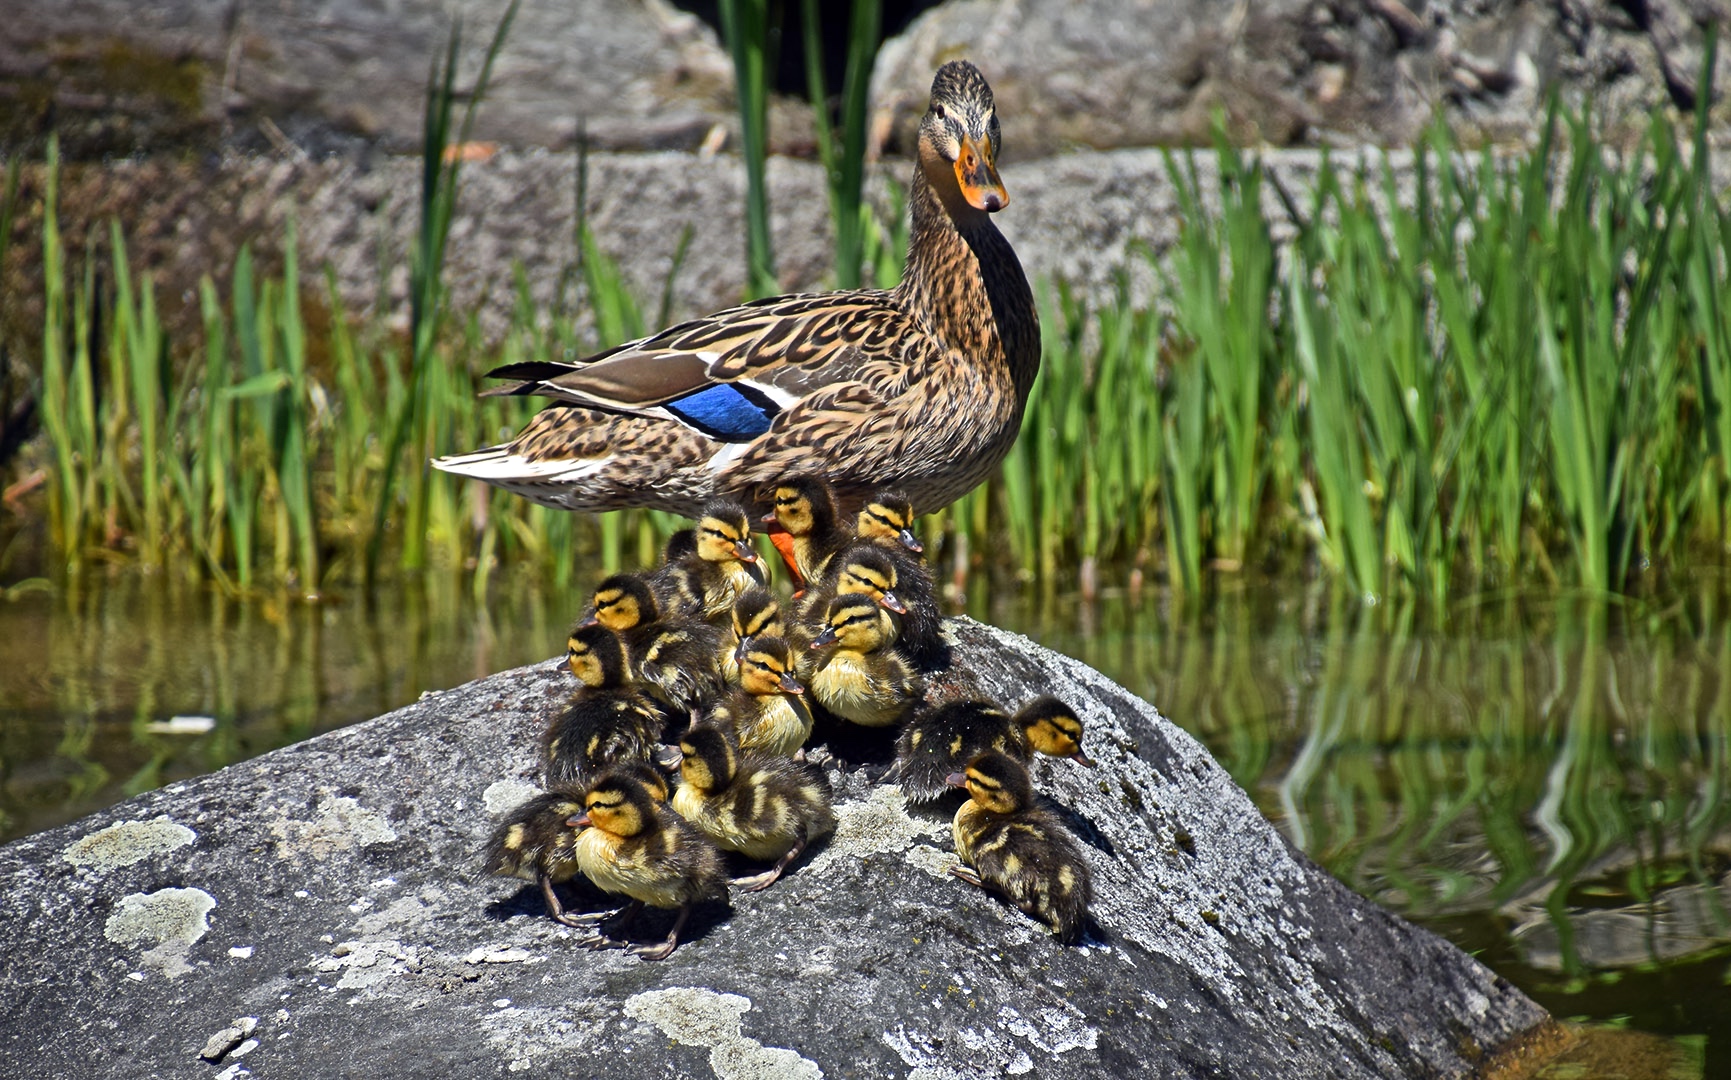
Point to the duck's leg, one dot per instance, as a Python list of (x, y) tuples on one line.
[(665, 949), (759, 882), (969, 875), (604, 938)]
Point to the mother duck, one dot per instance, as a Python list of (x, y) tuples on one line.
[(921, 387)]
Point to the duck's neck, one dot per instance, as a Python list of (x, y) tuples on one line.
[(960, 267)]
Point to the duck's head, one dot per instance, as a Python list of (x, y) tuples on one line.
[(997, 782), (596, 656), (804, 506), (856, 622), (869, 572), (959, 139), (888, 516), (766, 667), (1053, 728), (624, 601), (724, 533), (616, 803), (756, 611), (708, 757)]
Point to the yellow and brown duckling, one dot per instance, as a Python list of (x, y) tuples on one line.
[(888, 518), (608, 721), (633, 846), (936, 744), (756, 612), (806, 527), (860, 677), (534, 843), (1017, 851), (767, 711), (764, 806), (721, 565), (678, 658), (864, 569)]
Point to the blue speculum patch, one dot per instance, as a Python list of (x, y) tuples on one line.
[(726, 412)]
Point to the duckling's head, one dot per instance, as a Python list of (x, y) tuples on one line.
[(869, 572), (1053, 728), (679, 545), (959, 139), (756, 611), (804, 506), (857, 623), (709, 757), (724, 533), (653, 779), (624, 601), (888, 517), (997, 782), (616, 803), (766, 667), (596, 655)]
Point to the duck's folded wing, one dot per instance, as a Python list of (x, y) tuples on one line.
[(731, 374)]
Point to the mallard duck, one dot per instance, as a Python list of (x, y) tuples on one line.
[(607, 722), (1017, 851), (633, 846), (722, 565), (888, 518), (763, 806), (678, 658), (756, 612), (936, 744), (534, 843), (861, 678), (767, 711), (921, 388), (806, 526)]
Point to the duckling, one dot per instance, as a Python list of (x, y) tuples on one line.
[(682, 544), (723, 565), (755, 611), (941, 742), (862, 679), (767, 712), (860, 568), (534, 843), (1017, 851), (635, 847), (677, 657), (762, 806), (888, 518), (608, 721), (806, 526)]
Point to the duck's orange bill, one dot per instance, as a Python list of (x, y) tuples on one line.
[(978, 178)]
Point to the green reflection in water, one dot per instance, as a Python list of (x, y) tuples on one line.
[(1544, 782)]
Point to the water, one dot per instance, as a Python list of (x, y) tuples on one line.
[(1546, 783)]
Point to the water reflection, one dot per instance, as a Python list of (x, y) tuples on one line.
[(1543, 781)]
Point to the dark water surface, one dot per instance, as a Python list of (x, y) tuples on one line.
[(1545, 782)]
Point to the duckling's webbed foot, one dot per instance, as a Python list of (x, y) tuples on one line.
[(665, 949), (969, 875), (760, 882)]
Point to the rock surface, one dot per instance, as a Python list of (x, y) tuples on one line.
[(315, 912)]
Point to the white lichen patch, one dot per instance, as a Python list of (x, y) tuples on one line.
[(404, 911), (880, 822), (1053, 1030), (695, 1016), (933, 861), (367, 963), (340, 824), (171, 921), (504, 796), (127, 842), (501, 954)]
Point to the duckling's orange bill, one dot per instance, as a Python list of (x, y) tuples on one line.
[(978, 178)]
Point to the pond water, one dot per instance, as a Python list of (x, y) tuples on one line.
[(1547, 782)]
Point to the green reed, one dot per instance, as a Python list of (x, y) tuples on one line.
[(745, 25)]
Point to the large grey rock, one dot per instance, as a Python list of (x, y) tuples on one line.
[(1113, 73), (116, 76), (314, 913)]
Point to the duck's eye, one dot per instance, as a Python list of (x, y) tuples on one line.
[(938, 111)]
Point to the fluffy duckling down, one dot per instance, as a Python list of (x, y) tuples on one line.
[(886, 522), (607, 722), (676, 657), (756, 612), (721, 565), (632, 846), (763, 806), (860, 677), (767, 711), (1017, 851), (534, 843), (934, 745), (806, 526)]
